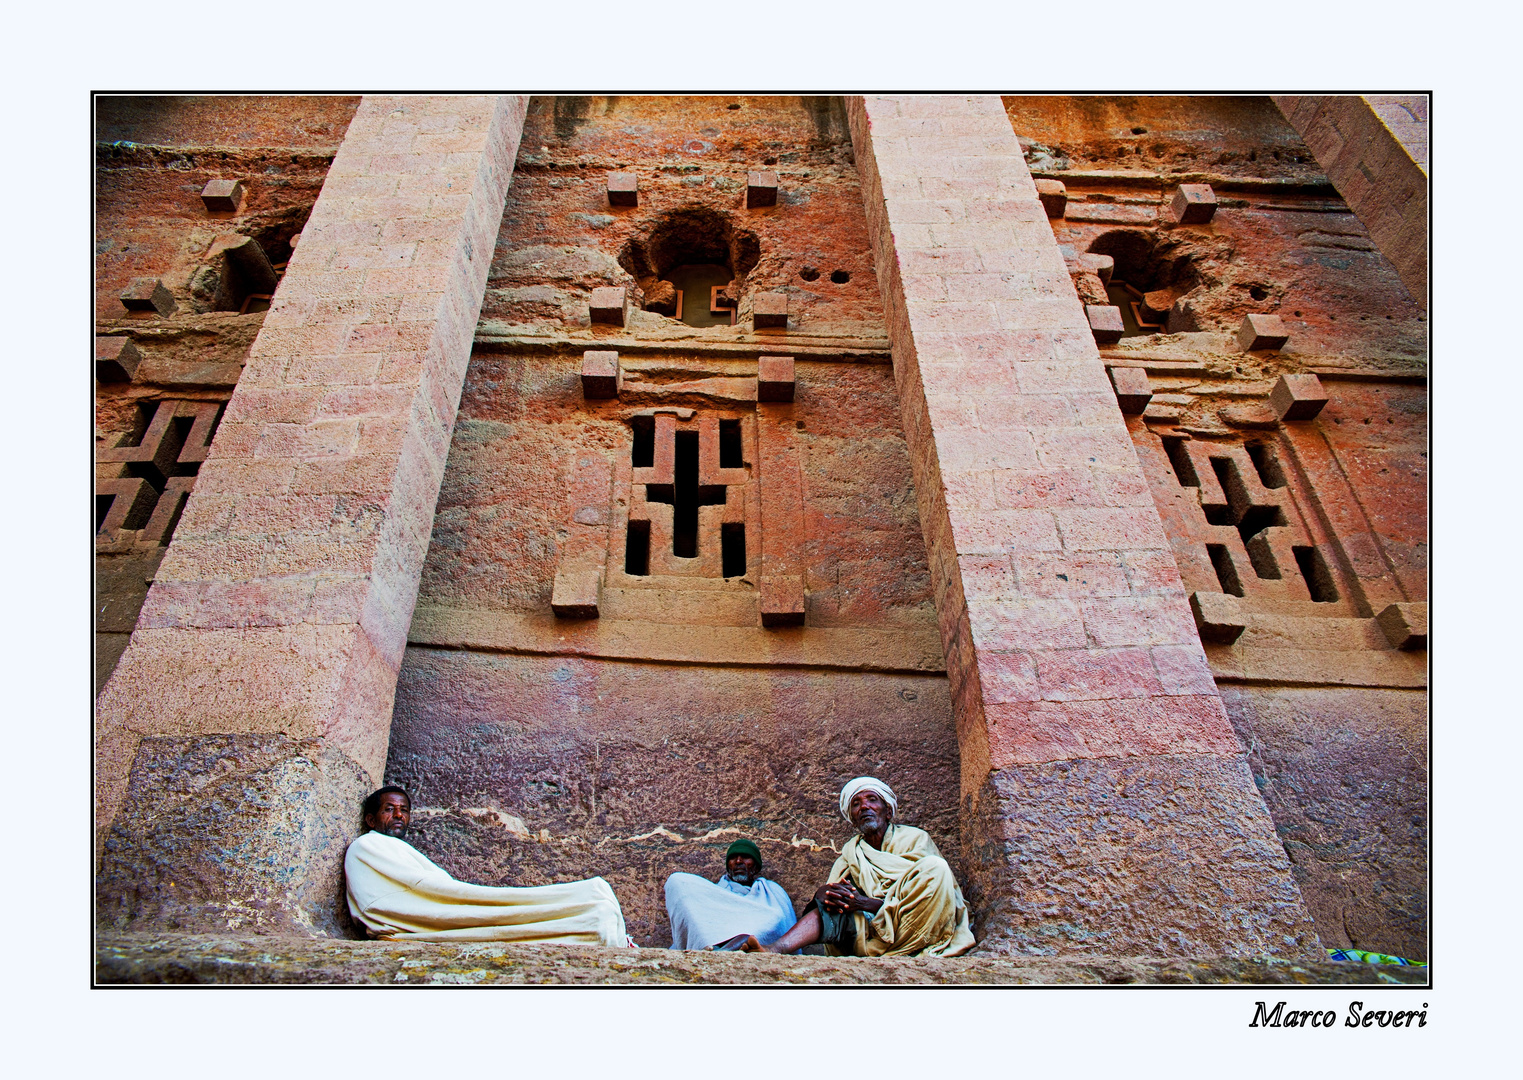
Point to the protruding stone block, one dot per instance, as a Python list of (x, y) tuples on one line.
[(1217, 616), (770, 309), (609, 306), (1133, 391), (761, 189), (116, 359), (1102, 266), (222, 194), (148, 294), (1297, 397), (251, 265), (623, 189), (1262, 332), (1054, 196), (1405, 624), (1193, 204), (782, 601), (575, 594), (601, 375), (774, 378), (1104, 322)]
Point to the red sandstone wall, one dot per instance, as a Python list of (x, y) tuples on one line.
[(153, 156), (1332, 714), (540, 748)]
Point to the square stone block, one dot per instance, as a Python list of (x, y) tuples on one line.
[(116, 359), (623, 189), (774, 378), (782, 601), (601, 375), (761, 189), (1133, 391), (222, 194), (770, 309), (1262, 332), (148, 294), (1297, 397), (1104, 322), (1405, 624), (576, 593), (1217, 616), (1054, 196), (608, 306), (1193, 204)]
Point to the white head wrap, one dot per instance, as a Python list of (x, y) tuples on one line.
[(871, 783)]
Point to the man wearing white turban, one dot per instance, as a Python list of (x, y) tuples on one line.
[(889, 894)]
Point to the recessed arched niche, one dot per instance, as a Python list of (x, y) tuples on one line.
[(690, 264)]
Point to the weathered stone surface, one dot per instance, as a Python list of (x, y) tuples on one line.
[(1262, 332), (601, 375), (116, 359), (1002, 623), (1217, 616), (636, 770), (1053, 195), (1133, 392), (1105, 322), (774, 378), (232, 832), (609, 306), (623, 189), (222, 194), (1297, 396), (761, 189), (223, 959), (770, 310), (148, 294), (1373, 167), (1405, 625), (1038, 836), (1344, 772), (1193, 204), (282, 604)]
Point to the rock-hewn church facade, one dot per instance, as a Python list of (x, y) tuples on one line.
[(623, 474)]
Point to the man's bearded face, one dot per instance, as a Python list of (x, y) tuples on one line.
[(742, 869), (392, 817), (869, 811)]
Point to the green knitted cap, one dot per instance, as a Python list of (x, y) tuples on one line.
[(744, 847)]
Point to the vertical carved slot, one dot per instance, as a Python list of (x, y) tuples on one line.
[(1319, 580), (1184, 469), (731, 455), (637, 549), (642, 453), (1268, 466), (1226, 573), (685, 501), (732, 545)]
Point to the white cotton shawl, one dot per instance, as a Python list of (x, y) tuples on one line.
[(400, 895), (704, 913)]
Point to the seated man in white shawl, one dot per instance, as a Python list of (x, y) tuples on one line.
[(741, 906), (889, 894), (399, 895)]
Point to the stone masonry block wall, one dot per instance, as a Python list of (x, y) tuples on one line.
[(279, 615), (1078, 681), (1375, 151)]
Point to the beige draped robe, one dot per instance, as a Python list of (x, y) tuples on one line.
[(400, 895), (923, 911)]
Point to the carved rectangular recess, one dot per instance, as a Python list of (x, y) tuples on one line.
[(685, 493), (1238, 523), (155, 468)]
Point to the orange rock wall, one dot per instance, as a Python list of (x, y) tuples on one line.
[(1331, 712)]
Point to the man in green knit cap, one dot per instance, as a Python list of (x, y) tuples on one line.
[(740, 905)]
